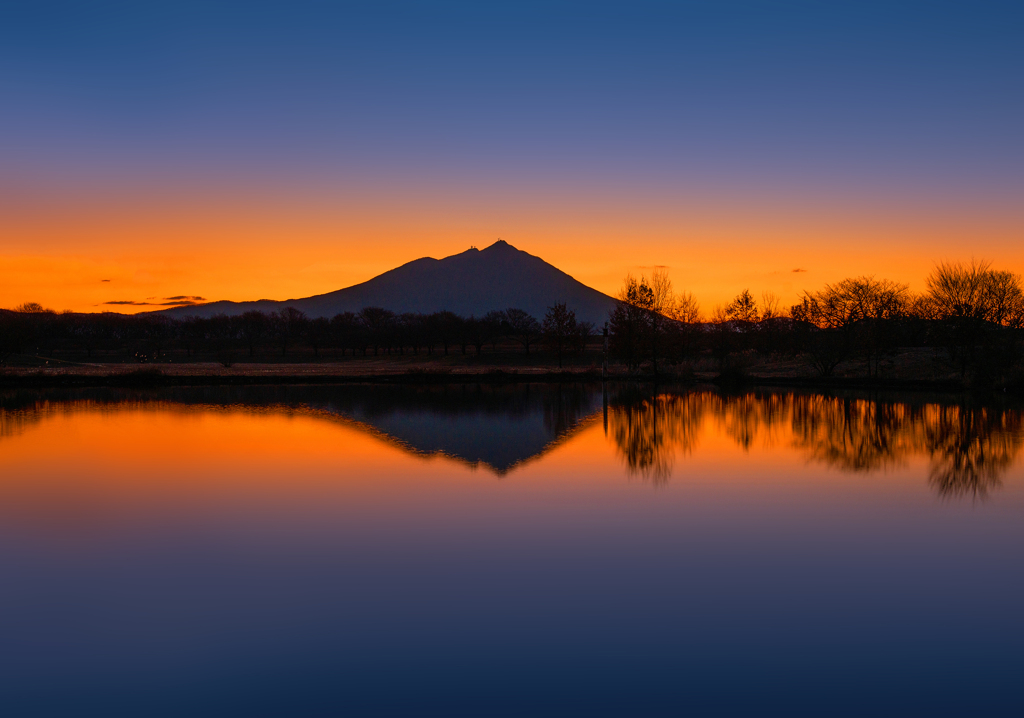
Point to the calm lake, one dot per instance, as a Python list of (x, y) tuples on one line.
[(525, 550)]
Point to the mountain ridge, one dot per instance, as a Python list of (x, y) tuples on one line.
[(472, 282)]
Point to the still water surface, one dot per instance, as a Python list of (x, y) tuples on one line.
[(529, 550)]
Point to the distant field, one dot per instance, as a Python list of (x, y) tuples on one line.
[(914, 364)]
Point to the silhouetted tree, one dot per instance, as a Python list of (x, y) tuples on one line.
[(194, 333), (685, 329), (836, 312), (445, 328), (647, 318), (478, 332), (318, 333), (33, 308), (630, 322), (9, 334), (288, 325), (772, 322), (970, 301), (493, 322), (584, 330), (414, 330), (522, 327), (345, 331), (254, 327), (722, 336), (379, 324), (743, 309), (560, 329)]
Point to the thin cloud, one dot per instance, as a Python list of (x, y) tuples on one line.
[(798, 269), (104, 280), (179, 301)]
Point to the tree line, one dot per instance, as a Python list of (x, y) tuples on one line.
[(374, 331), (969, 447), (973, 312)]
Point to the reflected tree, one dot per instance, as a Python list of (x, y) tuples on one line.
[(855, 435), (747, 416), (970, 449), (649, 431)]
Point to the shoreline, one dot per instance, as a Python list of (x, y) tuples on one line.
[(155, 377)]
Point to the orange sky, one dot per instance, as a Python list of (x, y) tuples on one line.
[(253, 154), (252, 245)]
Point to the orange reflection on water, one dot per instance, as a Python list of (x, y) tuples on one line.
[(78, 459), (87, 462), (968, 447)]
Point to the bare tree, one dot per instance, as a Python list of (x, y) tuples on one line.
[(649, 316), (560, 328), (379, 324), (346, 331), (254, 327), (289, 325), (838, 311), (771, 305), (33, 308), (492, 327), (445, 327), (319, 334), (684, 308), (584, 330), (743, 308), (522, 327), (630, 321), (968, 299), (772, 319)]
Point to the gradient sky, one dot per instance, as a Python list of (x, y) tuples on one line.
[(278, 150)]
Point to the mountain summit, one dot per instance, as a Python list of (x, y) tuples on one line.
[(473, 282)]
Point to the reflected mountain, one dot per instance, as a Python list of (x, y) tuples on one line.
[(498, 428), (490, 426), (969, 447)]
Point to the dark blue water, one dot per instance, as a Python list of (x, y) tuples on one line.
[(552, 551)]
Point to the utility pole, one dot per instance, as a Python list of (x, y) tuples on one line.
[(604, 375), (604, 363)]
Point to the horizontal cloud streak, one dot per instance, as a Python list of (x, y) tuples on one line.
[(179, 301)]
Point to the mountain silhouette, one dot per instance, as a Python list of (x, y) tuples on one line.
[(473, 282)]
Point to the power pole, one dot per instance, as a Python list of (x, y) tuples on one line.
[(604, 363)]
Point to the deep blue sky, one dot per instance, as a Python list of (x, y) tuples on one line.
[(254, 149), (857, 96)]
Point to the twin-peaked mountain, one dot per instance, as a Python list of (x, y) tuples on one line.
[(470, 284)]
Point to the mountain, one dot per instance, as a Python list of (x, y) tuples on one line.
[(471, 283)]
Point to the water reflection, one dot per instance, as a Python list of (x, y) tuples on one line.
[(969, 447), (500, 428), (855, 435), (492, 427), (649, 431)]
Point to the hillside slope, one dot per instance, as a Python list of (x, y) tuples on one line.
[(471, 283)]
